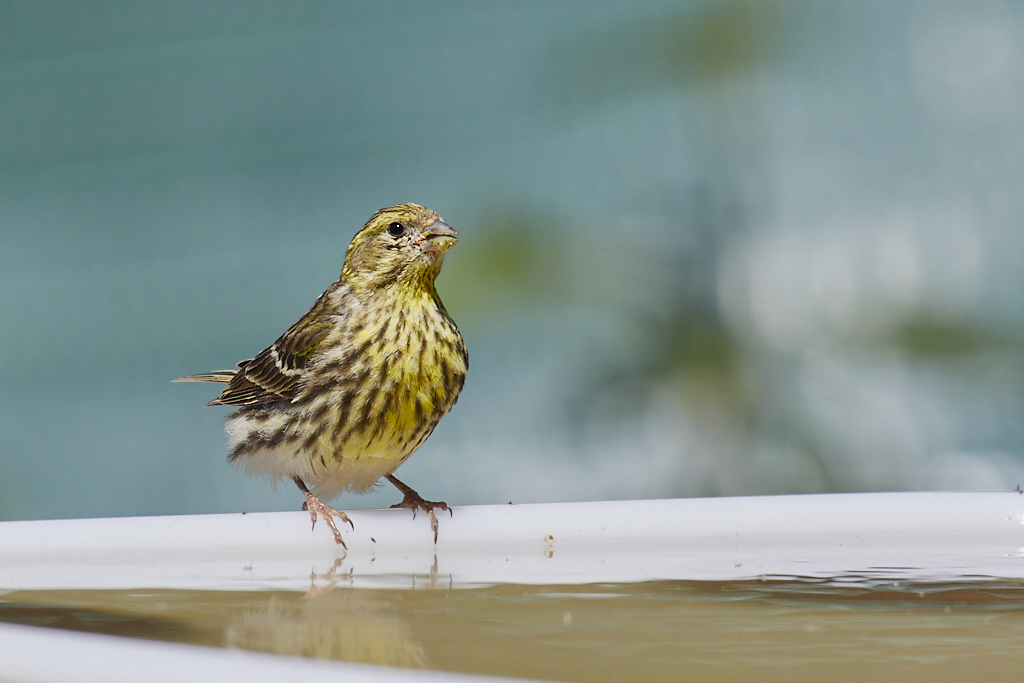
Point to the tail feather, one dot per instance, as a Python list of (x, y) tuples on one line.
[(215, 376)]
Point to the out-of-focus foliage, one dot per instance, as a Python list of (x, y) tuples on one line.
[(687, 45), (520, 263)]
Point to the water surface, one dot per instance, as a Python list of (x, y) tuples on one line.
[(856, 628)]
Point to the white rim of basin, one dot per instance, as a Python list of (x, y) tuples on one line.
[(925, 536), (29, 657)]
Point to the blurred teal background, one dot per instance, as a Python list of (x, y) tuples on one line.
[(707, 248)]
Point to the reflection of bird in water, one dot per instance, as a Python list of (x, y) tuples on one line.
[(354, 387), (341, 624)]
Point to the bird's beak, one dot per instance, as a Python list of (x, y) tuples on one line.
[(438, 237)]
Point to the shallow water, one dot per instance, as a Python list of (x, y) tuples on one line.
[(851, 629)]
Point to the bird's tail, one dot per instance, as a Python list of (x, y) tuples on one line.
[(215, 376)]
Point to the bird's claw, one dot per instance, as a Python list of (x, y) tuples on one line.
[(314, 505), (415, 501)]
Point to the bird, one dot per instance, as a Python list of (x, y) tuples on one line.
[(360, 381)]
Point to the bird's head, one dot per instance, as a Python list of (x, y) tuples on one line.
[(403, 243)]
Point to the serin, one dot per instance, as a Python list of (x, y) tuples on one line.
[(353, 388)]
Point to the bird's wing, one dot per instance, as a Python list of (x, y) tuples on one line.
[(274, 374)]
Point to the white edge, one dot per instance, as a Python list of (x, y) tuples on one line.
[(925, 536), (41, 655)]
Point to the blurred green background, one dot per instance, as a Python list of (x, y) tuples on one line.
[(707, 248)]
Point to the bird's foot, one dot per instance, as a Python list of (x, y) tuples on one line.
[(415, 501), (317, 507)]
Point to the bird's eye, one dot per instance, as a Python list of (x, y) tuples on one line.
[(396, 229)]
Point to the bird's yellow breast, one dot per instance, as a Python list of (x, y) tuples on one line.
[(403, 367)]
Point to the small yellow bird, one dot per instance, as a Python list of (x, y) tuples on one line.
[(353, 388)]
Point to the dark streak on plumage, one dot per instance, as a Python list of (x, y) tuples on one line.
[(369, 399)]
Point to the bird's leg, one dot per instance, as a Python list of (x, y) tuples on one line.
[(414, 501), (315, 505)]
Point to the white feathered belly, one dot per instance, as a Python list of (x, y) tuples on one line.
[(327, 467)]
